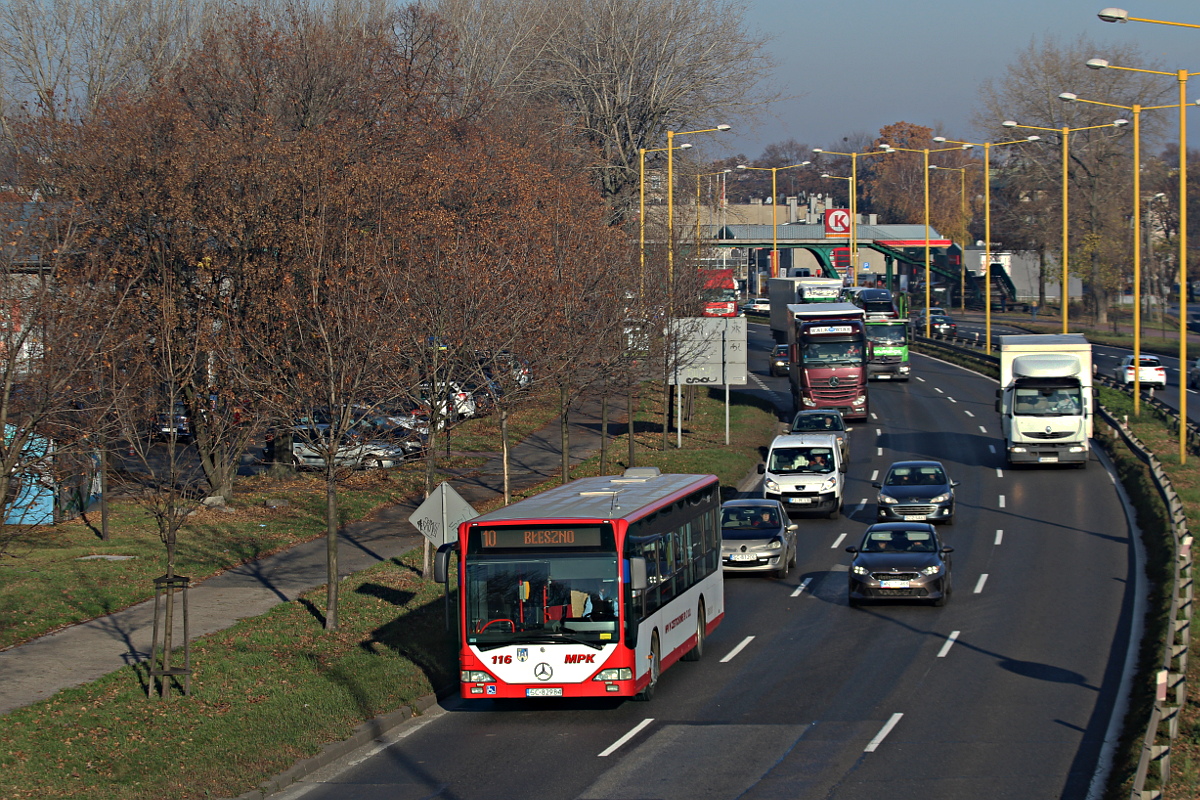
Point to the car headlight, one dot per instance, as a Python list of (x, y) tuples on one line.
[(933, 570), (941, 498), (775, 544), (476, 676), (771, 485), (859, 570), (887, 500), (828, 484)]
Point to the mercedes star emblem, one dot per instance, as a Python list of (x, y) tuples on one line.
[(834, 381), (542, 671)]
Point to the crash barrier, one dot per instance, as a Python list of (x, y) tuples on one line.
[(1171, 686)]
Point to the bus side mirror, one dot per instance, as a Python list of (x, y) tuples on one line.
[(441, 562), (637, 574)]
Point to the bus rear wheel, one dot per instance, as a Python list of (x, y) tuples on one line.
[(655, 669), (697, 652)]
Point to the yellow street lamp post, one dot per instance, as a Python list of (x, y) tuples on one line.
[(774, 208), (925, 151), (670, 148), (853, 202), (1181, 78), (1064, 138), (987, 224), (962, 173), (642, 209)]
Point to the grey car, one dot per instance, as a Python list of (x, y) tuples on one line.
[(916, 491), (779, 361), (824, 420), (900, 561), (757, 536)]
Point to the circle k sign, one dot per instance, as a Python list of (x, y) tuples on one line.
[(837, 222)]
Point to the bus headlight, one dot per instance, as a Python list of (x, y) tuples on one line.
[(476, 676), (622, 674)]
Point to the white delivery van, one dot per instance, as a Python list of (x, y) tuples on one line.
[(806, 473)]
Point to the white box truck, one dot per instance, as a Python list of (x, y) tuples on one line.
[(1045, 398)]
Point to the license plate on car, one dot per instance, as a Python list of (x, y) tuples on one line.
[(544, 691), (893, 584), (743, 557), (799, 499), (915, 516), (1047, 459)]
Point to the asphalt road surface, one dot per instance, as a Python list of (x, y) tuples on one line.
[(1007, 692)]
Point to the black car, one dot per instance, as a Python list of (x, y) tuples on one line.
[(900, 561), (916, 491), (943, 326), (779, 361)]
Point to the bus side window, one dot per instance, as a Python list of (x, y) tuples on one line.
[(653, 574), (712, 542)]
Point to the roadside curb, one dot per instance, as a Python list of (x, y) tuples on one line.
[(369, 731)]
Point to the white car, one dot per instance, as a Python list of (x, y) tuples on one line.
[(309, 447), (463, 402), (757, 305), (1150, 369)]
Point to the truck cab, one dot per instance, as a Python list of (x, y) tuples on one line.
[(1045, 400), (828, 358)]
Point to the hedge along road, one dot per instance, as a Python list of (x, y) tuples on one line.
[(1007, 691)]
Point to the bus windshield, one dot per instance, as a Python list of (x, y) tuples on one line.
[(531, 598), (830, 353)]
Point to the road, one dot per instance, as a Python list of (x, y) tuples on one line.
[(1007, 692)]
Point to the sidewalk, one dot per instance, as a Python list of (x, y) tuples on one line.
[(89, 650)]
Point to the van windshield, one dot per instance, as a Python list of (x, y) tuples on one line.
[(800, 460)]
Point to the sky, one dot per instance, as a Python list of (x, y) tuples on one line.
[(853, 66)]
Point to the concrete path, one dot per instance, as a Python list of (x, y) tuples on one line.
[(89, 650)]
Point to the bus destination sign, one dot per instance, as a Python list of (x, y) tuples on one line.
[(539, 537)]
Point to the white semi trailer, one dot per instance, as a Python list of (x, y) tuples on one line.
[(1045, 398)]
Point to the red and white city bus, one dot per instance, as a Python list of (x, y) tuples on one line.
[(588, 589)]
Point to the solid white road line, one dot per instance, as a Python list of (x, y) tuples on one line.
[(949, 643), (838, 541), (612, 748), (738, 649), (999, 537), (883, 732), (800, 589), (1002, 501), (979, 585)]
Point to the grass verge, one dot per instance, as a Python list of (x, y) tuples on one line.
[(274, 689)]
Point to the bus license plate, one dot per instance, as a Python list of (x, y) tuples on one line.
[(743, 557), (915, 516), (799, 499), (893, 584), (544, 691)]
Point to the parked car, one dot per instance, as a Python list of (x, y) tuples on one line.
[(455, 403), (916, 490), (310, 444), (779, 361), (900, 561), (824, 420), (174, 422), (1150, 368), (757, 305), (757, 536)]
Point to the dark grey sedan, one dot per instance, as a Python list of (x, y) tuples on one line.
[(916, 491), (757, 536), (900, 561)]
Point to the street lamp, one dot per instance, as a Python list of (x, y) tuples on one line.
[(1064, 138), (887, 148), (853, 179), (853, 202), (1121, 15), (962, 173), (987, 224), (1181, 78), (642, 209), (671, 204), (774, 209)]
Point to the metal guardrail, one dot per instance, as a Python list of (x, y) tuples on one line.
[(1171, 686)]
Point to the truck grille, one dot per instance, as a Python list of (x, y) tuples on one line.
[(1044, 435), (839, 394)]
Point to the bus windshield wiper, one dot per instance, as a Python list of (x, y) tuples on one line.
[(545, 637)]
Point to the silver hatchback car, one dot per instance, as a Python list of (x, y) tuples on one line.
[(757, 536)]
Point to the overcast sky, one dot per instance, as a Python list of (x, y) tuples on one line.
[(853, 66)]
